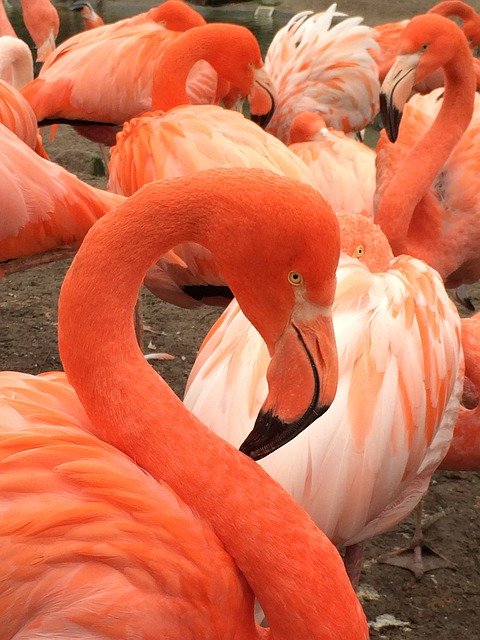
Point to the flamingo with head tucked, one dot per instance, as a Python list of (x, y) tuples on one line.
[(185, 551)]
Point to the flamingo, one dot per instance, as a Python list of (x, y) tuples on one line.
[(46, 210), (390, 33), (183, 141), (180, 540), (317, 68), (437, 224), (463, 455), (42, 23), (6, 28), (91, 19), (16, 69), (343, 168), (63, 88), (361, 467)]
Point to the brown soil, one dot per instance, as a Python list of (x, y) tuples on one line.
[(445, 604)]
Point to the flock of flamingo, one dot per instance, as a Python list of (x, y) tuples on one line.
[(337, 380)]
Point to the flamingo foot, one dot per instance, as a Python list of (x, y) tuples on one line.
[(418, 557)]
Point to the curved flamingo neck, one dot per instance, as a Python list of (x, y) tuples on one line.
[(453, 8), (6, 28), (421, 165), (212, 42), (16, 63), (134, 409)]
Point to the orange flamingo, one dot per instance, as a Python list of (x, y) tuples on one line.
[(427, 188), (42, 23), (175, 552), (46, 210), (91, 19), (6, 28), (63, 88), (390, 34), (363, 465), (183, 141), (317, 68)]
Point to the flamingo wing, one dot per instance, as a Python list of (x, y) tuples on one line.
[(121, 67), (363, 465), (90, 544), (43, 205), (316, 67)]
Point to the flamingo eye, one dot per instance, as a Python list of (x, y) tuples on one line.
[(424, 46), (295, 278), (359, 251)]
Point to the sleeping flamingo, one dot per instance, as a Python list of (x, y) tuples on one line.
[(91, 19), (364, 464), (390, 33), (63, 88), (180, 540), (42, 22), (316, 67), (427, 182), (343, 168)]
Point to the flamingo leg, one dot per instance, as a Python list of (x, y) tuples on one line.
[(353, 561), (418, 557)]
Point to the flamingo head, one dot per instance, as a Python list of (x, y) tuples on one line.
[(306, 127), (364, 240), (427, 43), (290, 307), (176, 15)]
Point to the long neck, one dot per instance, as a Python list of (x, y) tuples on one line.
[(420, 166), (290, 565), (453, 8), (16, 63), (6, 28)]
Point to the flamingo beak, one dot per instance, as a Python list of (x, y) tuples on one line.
[(396, 90), (78, 5), (302, 379), (262, 98)]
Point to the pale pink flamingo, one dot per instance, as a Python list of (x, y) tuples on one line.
[(316, 67), (16, 69), (343, 168), (42, 22), (91, 19), (463, 455), (428, 181), (361, 467), (46, 211), (390, 33), (177, 543)]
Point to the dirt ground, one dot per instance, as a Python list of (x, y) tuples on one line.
[(445, 604)]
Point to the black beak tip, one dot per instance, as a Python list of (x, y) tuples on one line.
[(263, 119), (391, 117)]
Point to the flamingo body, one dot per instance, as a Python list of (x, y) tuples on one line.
[(329, 70), (44, 206), (362, 466), (127, 543), (343, 168)]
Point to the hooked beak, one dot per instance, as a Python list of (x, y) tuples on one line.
[(302, 380), (396, 90), (262, 98)]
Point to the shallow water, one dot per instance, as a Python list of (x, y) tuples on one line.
[(263, 26)]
